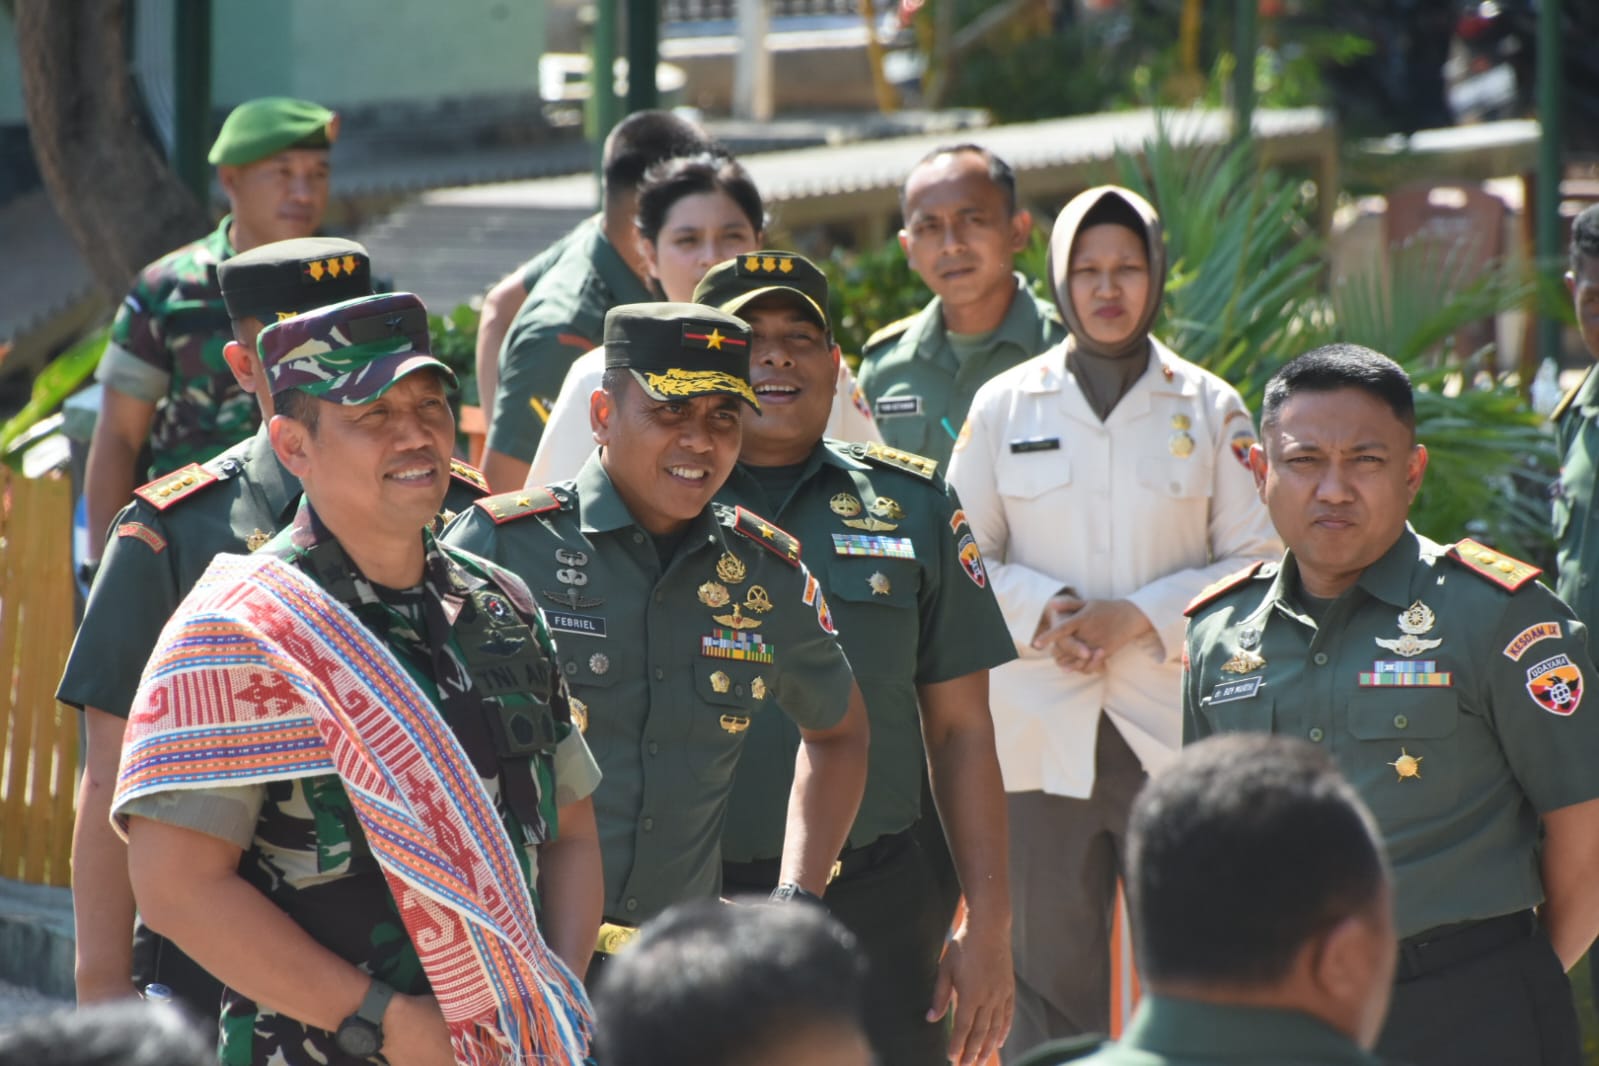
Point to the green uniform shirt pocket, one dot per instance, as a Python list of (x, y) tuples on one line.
[(1403, 758), (591, 676), (876, 611), (731, 694)]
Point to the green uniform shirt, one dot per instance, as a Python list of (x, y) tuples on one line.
[(1450, 702), (562, 317), (669, 665), (1576, 535), (919, 386), (154, 555), (166, 348), (909, 612), (535, 269), (1183, 1032), (305, 849)]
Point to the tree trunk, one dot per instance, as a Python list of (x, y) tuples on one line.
[(111, 186)]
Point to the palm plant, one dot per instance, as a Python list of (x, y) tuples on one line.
[(1247, 294)]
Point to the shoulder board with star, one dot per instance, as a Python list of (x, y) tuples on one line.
[(1215, 591), (883, 455), (1495, 566), (182, 483), (889, 332), (469, 474), (1571, 394), (749, 524), (509, 506)]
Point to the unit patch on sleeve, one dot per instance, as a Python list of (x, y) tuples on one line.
[(972, 560), (1528, 637), (1555, 685), (139, 531)]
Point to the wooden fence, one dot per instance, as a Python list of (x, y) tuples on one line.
[(38, 737)]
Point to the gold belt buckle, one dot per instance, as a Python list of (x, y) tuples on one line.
[(613, 938)]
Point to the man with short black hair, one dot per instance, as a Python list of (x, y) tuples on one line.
[(1261, 913), (561, 296), (707, 984), (1448, 683), (963, 228)]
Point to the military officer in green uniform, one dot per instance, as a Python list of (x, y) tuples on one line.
[(1450, 687), (1262, 910), (165, 383), (963, 229), (599, 267), (680, 623), (1577, 431), (889, 543), (159, 546)]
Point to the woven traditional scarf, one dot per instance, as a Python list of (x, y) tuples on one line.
[(262, 676)]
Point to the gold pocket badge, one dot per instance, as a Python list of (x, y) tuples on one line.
[(720, 682), (880, 584), (730, 569), (714, 595), (1407, 765)]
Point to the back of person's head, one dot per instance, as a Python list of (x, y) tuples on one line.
[(670, 180), (643, 139), (1240, 854), (1333, 367), (712, 984), (133, 1033), (1585, 239)]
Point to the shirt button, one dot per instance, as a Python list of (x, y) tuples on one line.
[(631, 904), (649, 824), (654, 747), (570, 666), (1585, 580), (1176, 487), (659, 674), (1400, 721), (738, 690), (1320, 658), (1316, 734), (638, 538)]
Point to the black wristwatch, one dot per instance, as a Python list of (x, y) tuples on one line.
[(788, 890), (361, 1034)]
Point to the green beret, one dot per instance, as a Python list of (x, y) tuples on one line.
[(679, 351), (351, 352), (285, 278), (260, 128), (733, 284)]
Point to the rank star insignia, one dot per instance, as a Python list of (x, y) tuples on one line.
[(730, 569), (736, 620), (1407, 765), (1244, 661), (1413, 621), (720, 682), (879, 584), (713, 595), (257, 538), (714, 339), (845, 505)]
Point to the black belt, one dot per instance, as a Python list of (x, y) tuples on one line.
[(851, 861), (1450, 945)]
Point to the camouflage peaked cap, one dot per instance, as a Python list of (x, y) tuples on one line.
[(260, 128), (284, 278), (678, 351), (734, 284), (351, 352)]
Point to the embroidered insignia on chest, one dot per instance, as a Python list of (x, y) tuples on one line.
[(855, 544), (1413, 622)]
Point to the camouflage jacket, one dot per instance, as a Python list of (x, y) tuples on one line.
[(166, 348)]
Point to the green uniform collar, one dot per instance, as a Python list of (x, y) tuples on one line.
[(612, 269), (1018, 327), (1387, 579), (1187, 1030), (603, 511), (821, 455), (280, 487), (220, 244)]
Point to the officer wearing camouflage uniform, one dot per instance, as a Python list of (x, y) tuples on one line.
[(1450, 687), (963, 228), (457, 633), (160, 545), (166, 385), (678, 624), (921, 628)]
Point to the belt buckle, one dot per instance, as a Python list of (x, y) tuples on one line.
[(613, 938)]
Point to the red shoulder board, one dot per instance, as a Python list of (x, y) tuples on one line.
[(509, 506), (470, 474), (1216, 591), (768, 536), (1497, 567), (167, 490)]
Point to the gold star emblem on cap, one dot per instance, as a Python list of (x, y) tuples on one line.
[(1407, 765), (714, 339)]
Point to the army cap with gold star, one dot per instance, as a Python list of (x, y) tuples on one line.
[(350, 353), (266, 126), (734, 284), (284, 278), (679, 351)]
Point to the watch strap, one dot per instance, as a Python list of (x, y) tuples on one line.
[(374, 1003)]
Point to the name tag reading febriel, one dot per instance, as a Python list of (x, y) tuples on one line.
[(589, 624)]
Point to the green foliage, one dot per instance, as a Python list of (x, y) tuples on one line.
[(1089, 68), (58, 380), (868, 290), (454, 339)]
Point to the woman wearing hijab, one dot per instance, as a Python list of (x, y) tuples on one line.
[(1105, 483)]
